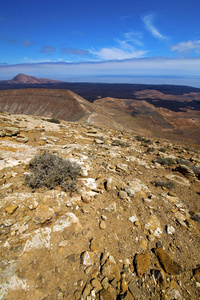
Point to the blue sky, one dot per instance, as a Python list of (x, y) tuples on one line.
[(82, 40)]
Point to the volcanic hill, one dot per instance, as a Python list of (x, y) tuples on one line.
[(26, 79)]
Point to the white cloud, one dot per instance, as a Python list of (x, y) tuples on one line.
[(33, 61), (114, 53), (124, 48), (131, 37), (133, 34), (148, 22), (185, 47)]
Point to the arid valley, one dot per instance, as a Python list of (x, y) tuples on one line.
[(130, 228)]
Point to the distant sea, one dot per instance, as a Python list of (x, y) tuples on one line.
[(190, 81)]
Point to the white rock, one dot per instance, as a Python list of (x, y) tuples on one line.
[(87, 258), (170, 229), (63, 244), (90, 182), (133, 218), (112, 207)]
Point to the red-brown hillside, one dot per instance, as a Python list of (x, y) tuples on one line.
[(26, 79)]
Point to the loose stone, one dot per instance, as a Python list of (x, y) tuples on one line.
[(143, 244), (94, 245), (170, 229), (87, 289), (11, 209), (142, 263), (96, 284), (87, 258), (122, 195), (94, 273), (130, 191), (105, 284), (105, 295), (86, 198), (11, 131), (169, 265), (43, 213), (102, 225), (88, 270), (124, 284), (137, 224), (196, 272), (110, 270), (135, 291), (110, 184)]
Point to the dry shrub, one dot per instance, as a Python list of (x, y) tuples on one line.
[(167, 161), (51, 170), (53, 120), (167, 184)]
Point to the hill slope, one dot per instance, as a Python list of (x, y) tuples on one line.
[(138, 116), (130, 231), (61, 104)]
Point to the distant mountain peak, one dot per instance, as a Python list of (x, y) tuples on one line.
[(27, 79)]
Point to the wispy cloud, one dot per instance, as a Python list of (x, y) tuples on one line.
[(148, 22), (187, 47), (27, 43), (48, 49), (124, 49), (75, 51), (130, 38), (114, 53)]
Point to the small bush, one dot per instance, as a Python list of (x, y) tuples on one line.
[(196, 170), (101, 138), (193, 168), (120, 143), (168, 161), (168, 184), (53, 120), (150, 149), (163, 150), (142, 139), (139, 138), (183, 162), (50, 170)]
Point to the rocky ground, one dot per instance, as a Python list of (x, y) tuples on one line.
[(130, 231)]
